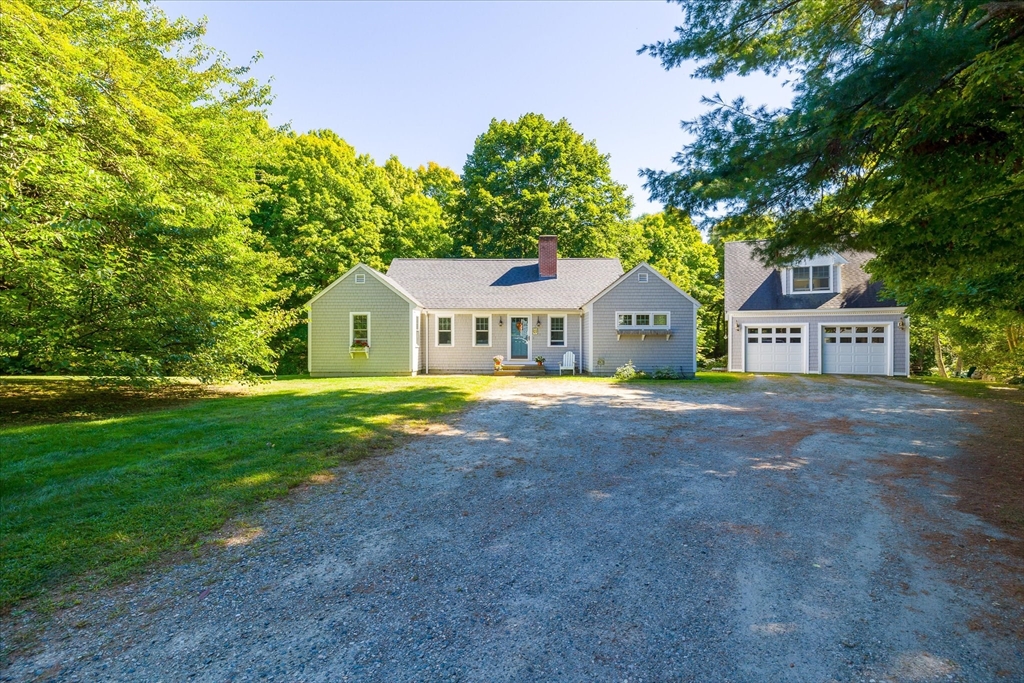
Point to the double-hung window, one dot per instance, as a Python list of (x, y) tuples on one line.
[(812, 279), (482, 330), (445, 330), (556, 330), (359, 330)]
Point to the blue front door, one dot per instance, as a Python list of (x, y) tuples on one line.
[(520, 338)]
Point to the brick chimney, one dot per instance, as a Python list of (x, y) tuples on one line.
[(547, 255)]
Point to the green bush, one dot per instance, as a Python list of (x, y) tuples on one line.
[(629, 371)]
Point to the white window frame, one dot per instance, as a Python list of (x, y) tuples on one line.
[(476, 316), (565, 331), (437, 329), (352, 330), (360, 278), (833, 275), (643, 277), (651, 326)]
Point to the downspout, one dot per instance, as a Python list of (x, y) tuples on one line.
[(426, 346), (581, 340)]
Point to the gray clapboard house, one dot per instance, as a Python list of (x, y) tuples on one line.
[(455, 315), (819, 315)]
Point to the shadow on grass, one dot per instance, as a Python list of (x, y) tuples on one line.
[(35, 400), (100, 499)]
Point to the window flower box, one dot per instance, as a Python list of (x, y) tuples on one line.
[(359, 348)]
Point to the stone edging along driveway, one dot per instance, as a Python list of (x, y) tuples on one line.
[(576, 530)]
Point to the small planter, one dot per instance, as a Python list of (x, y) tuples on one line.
[(363, 351), (540, 361)]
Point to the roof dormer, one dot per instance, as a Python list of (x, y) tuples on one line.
[(816, 275)]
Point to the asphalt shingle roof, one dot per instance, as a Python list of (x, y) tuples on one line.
[(489, 284), (751, 286)]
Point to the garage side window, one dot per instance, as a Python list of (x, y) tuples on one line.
[(359, 330), (444, 331)]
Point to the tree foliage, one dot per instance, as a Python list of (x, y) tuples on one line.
[(327, 208), (905, 137), (127, 149), (535, 177)]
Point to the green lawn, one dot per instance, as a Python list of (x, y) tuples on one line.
[(93, 494), (973, 388)]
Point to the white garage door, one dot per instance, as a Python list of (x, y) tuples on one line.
[(775, 349), (855, 350)]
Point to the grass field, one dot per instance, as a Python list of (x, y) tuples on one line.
[(96, 484), (973, 388)]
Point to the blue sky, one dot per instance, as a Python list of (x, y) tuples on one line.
[(423, 80)]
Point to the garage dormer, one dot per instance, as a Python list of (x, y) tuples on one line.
[(817, 275)]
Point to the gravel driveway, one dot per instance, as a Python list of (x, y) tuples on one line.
[(582, 530)]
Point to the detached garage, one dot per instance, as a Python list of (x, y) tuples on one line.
[(822, 314)]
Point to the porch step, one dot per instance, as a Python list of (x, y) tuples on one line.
[(520, 371)]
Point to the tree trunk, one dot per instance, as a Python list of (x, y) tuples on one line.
[(959, 366), (938, 357)]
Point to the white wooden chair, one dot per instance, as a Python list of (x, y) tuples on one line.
[(568, 362)]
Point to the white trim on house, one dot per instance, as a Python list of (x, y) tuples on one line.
[(906, 318), (394, 286), (565, 331), (832, 260), (580, 324), (309, 340), (625, 276), (589, 312), (437, 325), (696, 337), (795, 312), (414, 339), (490, 332), (352, 331)]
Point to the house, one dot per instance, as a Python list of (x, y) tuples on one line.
[(818, 315), (455, 315)]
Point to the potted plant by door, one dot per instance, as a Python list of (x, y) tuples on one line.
[(498, 360), (540, 360)]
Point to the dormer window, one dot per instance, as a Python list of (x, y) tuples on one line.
[(812, 279)]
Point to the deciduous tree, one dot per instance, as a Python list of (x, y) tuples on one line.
[(127, 150), (531, 177)]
